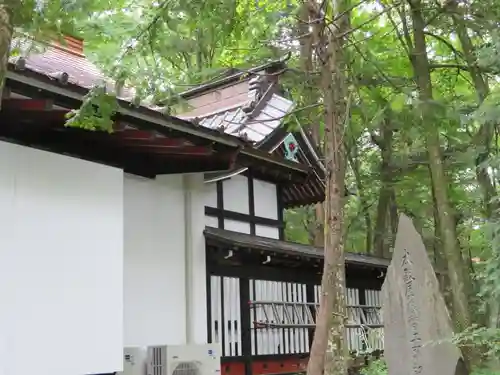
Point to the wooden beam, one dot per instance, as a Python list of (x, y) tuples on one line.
[(168, 150), (33, 116), (27, 104), (191, 165), (142, 140), (99, 147), (171, 125), (134, 134), (152, 136), (245, 218)]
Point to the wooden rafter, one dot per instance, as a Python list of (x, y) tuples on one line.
[(37, 123), (41, 113), (27, 104)]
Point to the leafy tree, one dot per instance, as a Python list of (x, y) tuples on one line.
[(402, 96), (329, 347), (42, 20)]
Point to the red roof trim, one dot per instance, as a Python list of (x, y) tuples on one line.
[(27, 104), (38, 114)]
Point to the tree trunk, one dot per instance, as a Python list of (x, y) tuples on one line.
[(393, 216), (365, 208), (311, 97), (485, 134), (329, 349), (6, 30), (440, 264), (384, 236), (459, 279), (482, 142), (319, 231)]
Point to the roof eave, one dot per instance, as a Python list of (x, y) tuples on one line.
[(162, 122), (75, 92), (312, 149), (242, 240)]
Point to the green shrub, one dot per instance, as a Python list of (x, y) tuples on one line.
[(379, 367)]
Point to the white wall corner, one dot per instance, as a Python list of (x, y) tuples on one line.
[(154, 295), (61, 264), (196, 279)]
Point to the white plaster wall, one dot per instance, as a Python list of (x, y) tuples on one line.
[(236, 196), (235, 192), (237, 226), (210, 200), (211, 221), (196, 265), (210, 194), (265, 231), (154, 273), (155, 261), (61, 264), (265, 198)]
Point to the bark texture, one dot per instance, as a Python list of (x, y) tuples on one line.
[(6, 30), (484, 137), (482, 142), (329, 350), (458, 277), (353, 159), (385, 230), (307, 38)]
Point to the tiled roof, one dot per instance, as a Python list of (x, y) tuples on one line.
[(260, 124), (80, 70), (256, 129), (54, 60)]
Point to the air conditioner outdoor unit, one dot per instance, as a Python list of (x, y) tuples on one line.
[(135, 361), (173, 360)]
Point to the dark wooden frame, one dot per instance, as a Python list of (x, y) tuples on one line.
[(247, 264), (253, 220), (37, 85)]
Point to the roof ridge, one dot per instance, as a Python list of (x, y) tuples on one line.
[(238, 73)]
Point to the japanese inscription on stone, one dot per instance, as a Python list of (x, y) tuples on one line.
[(415, 316)]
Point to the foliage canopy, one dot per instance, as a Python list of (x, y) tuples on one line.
[(164, 47)]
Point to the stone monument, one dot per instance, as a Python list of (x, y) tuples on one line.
[(416, 319)]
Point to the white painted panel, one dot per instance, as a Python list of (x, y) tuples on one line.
[(237, 226), (225, 304), (216, 309), (273, 340), (61, 264), (373, 315), (211, 221), (154, 295), (355, 335), (253, 318), (266, 200), (197, 276), (265, 231), (235, 192), (210, 194)]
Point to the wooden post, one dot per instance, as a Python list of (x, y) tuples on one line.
[(310, 299), (246, 325)]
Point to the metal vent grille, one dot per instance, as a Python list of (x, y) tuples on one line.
[(187, 368), (158, 361)]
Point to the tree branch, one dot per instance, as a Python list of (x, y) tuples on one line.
[(448, 66), (369, 20)]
